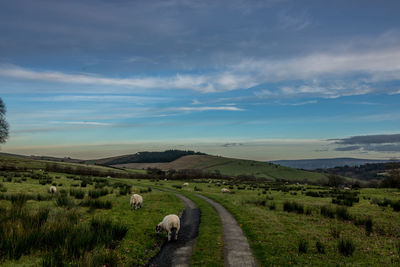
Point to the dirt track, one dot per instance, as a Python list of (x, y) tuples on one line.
[(178, 253), (237, 251)]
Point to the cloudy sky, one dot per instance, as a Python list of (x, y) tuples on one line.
[(273, 79)]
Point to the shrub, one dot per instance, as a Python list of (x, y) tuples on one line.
[(64, 201), (343, 214), (272, 206), (98, 193), (96, 204), (368, 226), (336, 231), (2, 188), (395, 205), (77, 193), (327, 211), (308, 211), (303, 246), (346, 247), (292, 206), (320, 247)]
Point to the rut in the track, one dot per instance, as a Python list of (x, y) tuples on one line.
[(178, 253), (237, 252)]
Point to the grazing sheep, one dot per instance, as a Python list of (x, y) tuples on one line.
[(346, 188), (171, 223), (225, 190), (185, 184), (53, 189), (136, 200)]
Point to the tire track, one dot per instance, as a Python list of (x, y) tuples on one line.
[(178, 253), (237, 252)]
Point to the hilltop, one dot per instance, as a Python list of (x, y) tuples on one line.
[(180, 161), (229, 166)]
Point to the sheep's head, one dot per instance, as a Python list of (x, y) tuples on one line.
[(158, 228)]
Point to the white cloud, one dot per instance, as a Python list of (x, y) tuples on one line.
[(226, 108), (361, 67)]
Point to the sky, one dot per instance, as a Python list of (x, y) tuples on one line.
[(263, 80)]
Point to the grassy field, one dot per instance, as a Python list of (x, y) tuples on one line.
[(137, 246), (285, 224), (233, 167), (282, 238)]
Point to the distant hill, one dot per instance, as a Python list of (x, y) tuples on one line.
[(312, 164), (144, 157), (369, 171), (182, 160), (230, 166)]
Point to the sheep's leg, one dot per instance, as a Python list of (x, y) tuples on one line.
[(169, 235), (176, 235)]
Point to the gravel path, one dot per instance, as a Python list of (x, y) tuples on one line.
[(178, 253), (237, 251)]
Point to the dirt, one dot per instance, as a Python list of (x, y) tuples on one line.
[(179, 252), (237, 251)]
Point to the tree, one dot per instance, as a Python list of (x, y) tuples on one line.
[(3, 123), (335, 180)]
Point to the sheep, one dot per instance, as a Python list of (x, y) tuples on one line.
[(53, 189), (171, 223), (225, 190), (346, 188), (185, 184), (136, 200)]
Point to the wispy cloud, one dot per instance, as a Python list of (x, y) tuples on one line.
[(222, 108), (372, 66), (378, 143)]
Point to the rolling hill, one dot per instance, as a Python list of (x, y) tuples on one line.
[(229, 166), (177, 160), (312, 164)]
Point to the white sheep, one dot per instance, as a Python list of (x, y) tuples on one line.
[(346, 188), (185, 184), (171, 223), (53, 189), (225, 190), (137, 201)]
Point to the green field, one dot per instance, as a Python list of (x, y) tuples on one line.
[(278, 233), (232, 167)]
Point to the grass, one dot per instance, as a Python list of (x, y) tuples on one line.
[(234, 167), (274, 234), (209, 245), (135, 248)]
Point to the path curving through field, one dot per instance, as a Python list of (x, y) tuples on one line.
[(237, 252), (178, 253)]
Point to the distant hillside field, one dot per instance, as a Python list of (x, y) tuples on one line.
[(312, 164), (229, 166), (144, 157)]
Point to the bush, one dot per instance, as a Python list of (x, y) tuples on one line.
[(346, 247), (77, 193), (327, 211), (64, 201), (368, 226), (272, 206), (343, 214), (96, 204), (98, 193), (320, 247), (336, 231), (303, 246), (292, 206)]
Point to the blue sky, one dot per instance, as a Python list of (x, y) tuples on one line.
[(274, 79)]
